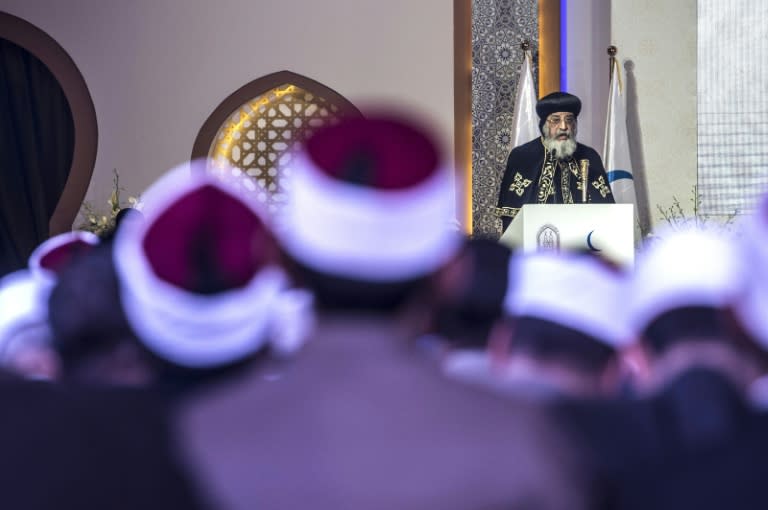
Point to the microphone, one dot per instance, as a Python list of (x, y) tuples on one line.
[(584, 164)]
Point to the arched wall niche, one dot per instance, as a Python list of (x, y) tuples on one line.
[(256, 130), (64, 69)]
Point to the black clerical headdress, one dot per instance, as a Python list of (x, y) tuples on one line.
[(557, 102)]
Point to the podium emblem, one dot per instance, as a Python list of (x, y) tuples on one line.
[(548, 238)]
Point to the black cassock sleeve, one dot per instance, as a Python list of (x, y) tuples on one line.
[(598, 189), (520, 180), (520, 183)]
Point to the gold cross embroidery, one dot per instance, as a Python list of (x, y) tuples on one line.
[(601, 186), (519, 184)]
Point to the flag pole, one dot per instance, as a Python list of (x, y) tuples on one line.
[(526, 47), (525, 123), (612, 50), (612, 63), (616, 153)]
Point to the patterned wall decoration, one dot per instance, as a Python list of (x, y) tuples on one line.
[(732, 111), (260, 138), (498, 29)]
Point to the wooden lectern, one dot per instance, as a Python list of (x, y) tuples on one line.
[(604, 228)]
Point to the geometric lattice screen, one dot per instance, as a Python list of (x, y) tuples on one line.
[(260, 138), (498, 28)]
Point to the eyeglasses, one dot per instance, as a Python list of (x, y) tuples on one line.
[(569, 120)]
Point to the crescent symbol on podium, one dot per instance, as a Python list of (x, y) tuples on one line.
[(589, 242)]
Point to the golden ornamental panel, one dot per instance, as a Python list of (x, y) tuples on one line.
[(258, 141)]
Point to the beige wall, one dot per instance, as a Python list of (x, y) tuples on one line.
[(157, 68), (659, 38), (588, 25)]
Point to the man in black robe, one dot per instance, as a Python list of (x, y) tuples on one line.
[(551, 169)]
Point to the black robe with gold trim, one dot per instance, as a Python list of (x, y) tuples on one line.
[(534, 177)]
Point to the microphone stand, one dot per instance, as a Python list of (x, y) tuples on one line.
[(584, 179)]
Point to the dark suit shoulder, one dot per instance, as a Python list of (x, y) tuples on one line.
[(525, 159), (384, 424), (86, 445), (586, 150), (534, 147)]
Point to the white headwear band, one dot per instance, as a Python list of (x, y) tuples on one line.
[(575, 291), (361, 232), (24, 294), (752, 304), (50, 245), (23, 304), (183, 327), (682, 269)]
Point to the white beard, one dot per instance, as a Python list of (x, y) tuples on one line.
[(562, 148)]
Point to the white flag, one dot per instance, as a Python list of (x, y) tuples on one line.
[(525, 123), (618, 166)]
